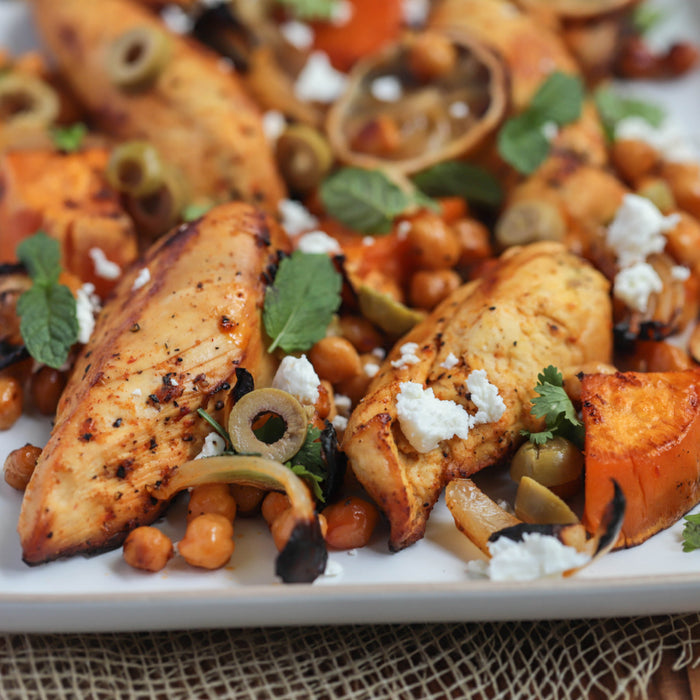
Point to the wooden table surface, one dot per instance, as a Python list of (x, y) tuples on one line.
[(667, 684)]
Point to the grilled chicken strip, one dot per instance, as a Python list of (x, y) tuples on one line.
[(163, 347), (540, 305), (193, 108)]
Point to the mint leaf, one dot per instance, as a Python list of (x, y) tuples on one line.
[(613, 108), (691, 533), (309, 464), (365, 200), (310, 9), (454, 178), (47, 310), (645, 18), (300, 304), (521, 140), (68, 138)]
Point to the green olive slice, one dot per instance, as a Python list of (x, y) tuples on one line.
[(136, 58), (25, 100), (529, 221), (135, 167), (304, 157), (253, 406), (390, 315)]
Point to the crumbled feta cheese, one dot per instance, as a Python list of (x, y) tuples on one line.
[(386, 88), (489, 404), (318, 80), (368, 240), (318, 242), (176, 19), (371, 368), (214, 445), (635, 284), (403, 229), (333, 568), (104, 268), (408, 356), (352, 552), (143, 278), (299, 34), (680, 273), (458, 110), (273, 123), (343, 10), (415, 12), (637, 230), (379, 353), (296, 218), (450, 361), (296, 375), (550, 130), (339, 423), (136, 392), (426, 420), (343, 404), (533, 557), (667, 140), (87, 304)]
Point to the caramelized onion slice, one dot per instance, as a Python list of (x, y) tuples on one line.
[(391, 118), (304, 556)]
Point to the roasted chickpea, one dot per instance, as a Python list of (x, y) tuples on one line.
[(633, 159), (429, 287), (208, 541), (432, 244), (474, 241), (10, 401), (19, 466), (335, 359), (211, 498), (248, 498), (273, 504), (46, 387), (431, 56), (350, 523), (356, 387), (360, 332), (147, 548)]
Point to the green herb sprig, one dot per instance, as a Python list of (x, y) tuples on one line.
[(310, 9), (691, 533), (613, 108), (69, 139), (454, 178)]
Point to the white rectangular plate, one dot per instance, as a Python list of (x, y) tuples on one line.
[(427, 582)]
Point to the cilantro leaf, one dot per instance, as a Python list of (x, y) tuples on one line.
[(300, 304), (310, 9), (313, 480), (521, 140), (364, 200), (69, 138), (47, 310), (554, 405), (691, 533), (309, 464), (613, 108), (456, 178)]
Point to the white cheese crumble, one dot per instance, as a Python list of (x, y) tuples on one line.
[(637, 230), (680, 273), (386, 88), (550, 130), (450, 361), (296, 375), (296, 218), (339, 423), (299, 34), (415, 12), (371, 368), (273, 123), (87, 304), (368, 240), (214, 445), (667, 140), (343, 404), (426, 420), (535, 556), (176, 19), (342, 13), (458, 110), (143, 278), (484, 395), (379, 353), (403, 228), (333, 568), (105, 268), (635, 284), (318, 80), (136, 392), (318, 242), (408, 356)]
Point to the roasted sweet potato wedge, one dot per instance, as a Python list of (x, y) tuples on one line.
[(538, 305), (642, 430), (163, 347), (66, 195)]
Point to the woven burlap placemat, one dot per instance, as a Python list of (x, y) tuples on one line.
[(562, 660)]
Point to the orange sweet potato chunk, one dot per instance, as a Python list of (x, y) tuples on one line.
[(643, 430)]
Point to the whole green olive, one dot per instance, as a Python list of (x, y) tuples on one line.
[(557, 464), (25, 100), (136, 58), (303, 156), (529, 221), (134, 167)]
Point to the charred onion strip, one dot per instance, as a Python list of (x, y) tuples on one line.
[(304, 556)]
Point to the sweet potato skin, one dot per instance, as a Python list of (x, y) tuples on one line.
[(643, 430), (159, 352)]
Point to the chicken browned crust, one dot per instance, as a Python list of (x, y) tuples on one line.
[(540, 305), (162, 348)]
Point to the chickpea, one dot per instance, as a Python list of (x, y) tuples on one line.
[(10, 401), (211, 498), (474, 240), (208, 541), (432, 244), (335, 359), (19, 466), (429, 287), (273, 504), (431, 56), (248, 498), (356, 387), (147, 548), (281, 528), (360, 332), (350, 523), (46, 387), (633, 159)]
